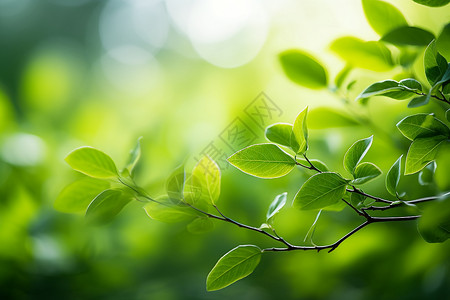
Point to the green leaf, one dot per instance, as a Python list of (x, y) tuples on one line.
[(276, 205), (382, 16), (164, 210), (432, 3), (106, 206), (200, 225), (92, 162), (447, 115), (422, 125), (303, 69), (434, 225), (367, 55), (327, 117), (421, 152), (408, 36), (357, 199), (281, 133), (393, 176), (320, 190), (263, 160), (365, 172), (443, 42), (134, 156), (418, 101), (233, 266), (342, 75), (76, 197), (410, 84), (393, 89), (356, 153), (175, 184), (206, 176), (427, 174), (300, 131), (434, 63)]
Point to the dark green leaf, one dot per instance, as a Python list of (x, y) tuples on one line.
[(447, 115), (443, 42), (365, 172), (356, 153), (434, 63), (421, 152), (106, 206), (263, 160), (427, 174), (320, 190), (393, 89), (76, 196), (327, 117), (434, 225), (367, 55), (418, 101), (233, 266), (408, 36), (281, 133), (422, 125), (393, 176), (382, 16), (276, 205), (303, 69), (300, 131), (410, 84), (92, 162), (356, 199), (433, 3)]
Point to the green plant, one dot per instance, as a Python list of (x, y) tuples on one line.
[(194, 196)]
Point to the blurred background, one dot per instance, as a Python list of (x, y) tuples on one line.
[(188, 76)]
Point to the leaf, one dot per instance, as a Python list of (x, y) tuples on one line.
[(233, 266), (421, 152), (367, 55), (434, 225), (134, 156), (418, 101), (327, 117), (365, 172), (206, 176), (435, 64), (92, 162), (164, 210), (76, 196), (342, 75), (432, 3), (391, 88), (303, 69), (356, 199), (356, 153), (320, 190), (422, 125), (200, 225), (312, 229), (408, 36), (300, 131), (276, 205), (263, 160), (175, 184), (447, 114), (106, 206), (393, 176), (382, 16), (281, 133), (443, 41), (427, 174), (410, 84)]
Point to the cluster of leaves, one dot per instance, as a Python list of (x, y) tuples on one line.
[(192, 197)]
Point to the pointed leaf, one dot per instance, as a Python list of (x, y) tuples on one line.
[(134, 156), (276, 205), (300, 131), (433, 3), (342, 75), (393, 89), (263, 160), (303, 69), (393, 176), (233, 266), (382, 16), (421, 152), (422, 125), (281, 133), (106, 206), (408, 36), (206, 176), (92, 162), (365, 172), (434, 63), (319, 191), (356, 153)]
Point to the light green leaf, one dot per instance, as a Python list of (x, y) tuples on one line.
[(164, 210), (434, 63), (427, 174), (175, 184), (408, 36), (263, 160), (393, 176), (320, 190), (443, 42), (206, 176), (421, 152), (422, 125), (434, 225), (106, 206), (281, 133), (300, 131), (134, 156), (233, 266), (433, 3), (367, 55), (76, 197), (92, 162), (382, 16), (342, 75), (200, 225), (356, 153), (327, 117), (276, 205), (365, 172), (303, 69)]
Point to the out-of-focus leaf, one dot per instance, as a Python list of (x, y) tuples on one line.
[(175, 184), (421, 152), (365, 172), (164, 210), (422, 125), (300, 131), (342, 75), (233, 266), (263, 160), (327, 117), (408, 36), (356, 153), (92, 162), (134, 156), (434, 225), (106, 206), (200, 225), (303, 69), (433, 3), (427, 174), (443, 42), (382, 16), (393, 176), (276, 205)]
